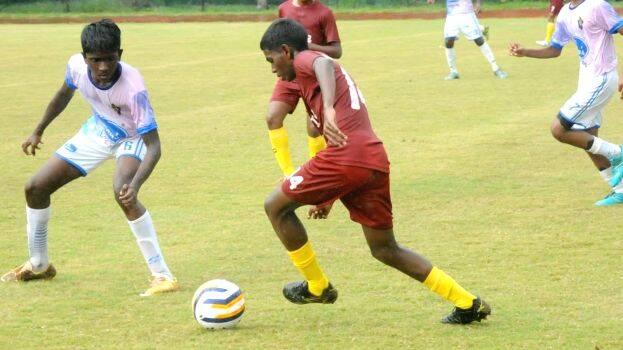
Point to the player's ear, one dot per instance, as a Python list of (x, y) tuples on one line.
[(287, 51)]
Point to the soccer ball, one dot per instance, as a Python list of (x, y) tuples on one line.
[(218, 304)]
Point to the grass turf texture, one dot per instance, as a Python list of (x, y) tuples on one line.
[(479, 186)]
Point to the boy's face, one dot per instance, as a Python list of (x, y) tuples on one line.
[(281, 61), (103, 65)]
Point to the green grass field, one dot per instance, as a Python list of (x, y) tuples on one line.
[(479, 186)]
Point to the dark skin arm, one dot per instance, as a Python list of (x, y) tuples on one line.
[(547, 52), (129, 192), (325, 74), (55, 107), (333, 49), (323, 67)]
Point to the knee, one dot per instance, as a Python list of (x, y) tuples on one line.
[(312, 131), (274, 119), (558, 132), (271, 208), (385, 253), (479, 41), (34, 188), (449, 43)]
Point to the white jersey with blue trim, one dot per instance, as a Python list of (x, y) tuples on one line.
[(120, 111), (455, 7), (590, 25)]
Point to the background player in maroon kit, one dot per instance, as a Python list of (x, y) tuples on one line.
[(322, 36), (353, 168), (554, 9)]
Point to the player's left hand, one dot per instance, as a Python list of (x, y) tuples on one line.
[(477, 9), (127, 195), (334, 135), (621, 89), (319, 212)]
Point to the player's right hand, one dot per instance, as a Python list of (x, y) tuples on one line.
[(430, 2), (31, 144), (319, 212), (514, 49), (334, 135)]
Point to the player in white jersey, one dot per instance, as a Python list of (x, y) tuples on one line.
[(590, 24), (461, 18), (123, 126)]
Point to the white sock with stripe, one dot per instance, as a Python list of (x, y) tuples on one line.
[(486, 51), (451, 58), (604, 148), (37, 230), (145, 233)]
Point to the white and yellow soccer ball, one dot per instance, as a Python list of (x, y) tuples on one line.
[(218, 304)]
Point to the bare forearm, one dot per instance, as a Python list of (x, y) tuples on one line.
[(548, 52), (57, 105), (147, 166), (333, 51)]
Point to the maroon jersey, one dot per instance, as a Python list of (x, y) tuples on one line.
[(363, 148), (317, 19)]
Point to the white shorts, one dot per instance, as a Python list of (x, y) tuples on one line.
[(584, 109), (89, 148), (465, 23)]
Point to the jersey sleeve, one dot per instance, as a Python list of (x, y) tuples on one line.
[(72, 71), (304, 64), (330, 28), (607, 18), (142, 113), (561, 36)]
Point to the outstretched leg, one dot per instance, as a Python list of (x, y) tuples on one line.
[(486, 51), (316, 288), (142, 227), (451, 58), (53, 175), (384, 248)]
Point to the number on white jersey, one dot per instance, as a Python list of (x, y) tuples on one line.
[(356, 97)]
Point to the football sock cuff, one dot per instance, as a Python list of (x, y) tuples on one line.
[(446, 287), (305, 261), (550, 31), (279, 143), (315, 144)]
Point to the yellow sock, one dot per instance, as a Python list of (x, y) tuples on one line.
[(315, 144), (304, 259), (550, 31), (447, 288), (279, 141)]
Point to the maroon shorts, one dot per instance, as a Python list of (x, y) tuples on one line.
[(364, 192), (287, 92), (555, 6)]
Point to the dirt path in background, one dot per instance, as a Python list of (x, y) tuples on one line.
[(519, 13)]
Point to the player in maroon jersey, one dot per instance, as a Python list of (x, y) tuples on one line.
[(353, 168), (553, 10), (322, 36)]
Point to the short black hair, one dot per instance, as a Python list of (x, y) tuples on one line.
[(284, 31), (101, 36)]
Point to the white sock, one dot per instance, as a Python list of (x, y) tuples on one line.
[(604, 148), (486, 51), (37, 230), (451, 58), (145, 233), (482, 28), (606, 174)]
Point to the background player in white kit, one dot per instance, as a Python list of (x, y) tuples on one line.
[(461, 18), (123, 126), (591, 24)]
